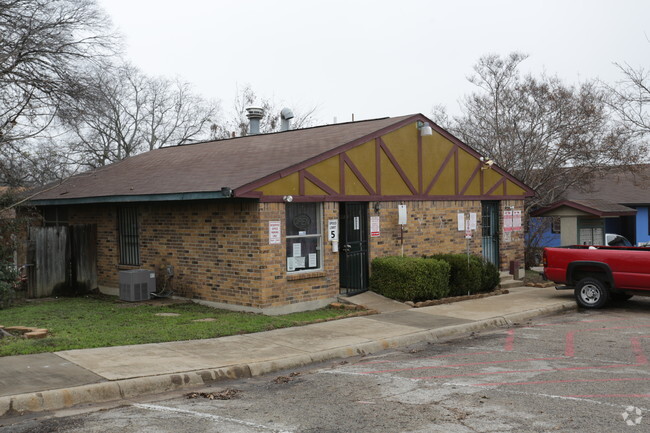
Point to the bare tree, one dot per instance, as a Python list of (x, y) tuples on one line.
[(238, 122), (122, 112), (630, 100), (42, 45), (39, 164), (550, 135)]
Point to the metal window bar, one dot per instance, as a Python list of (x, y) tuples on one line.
[(128, 235)]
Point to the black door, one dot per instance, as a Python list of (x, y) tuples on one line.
[(490, 228), (353, 248)]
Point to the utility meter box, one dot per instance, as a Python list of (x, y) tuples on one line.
[(137, 285)]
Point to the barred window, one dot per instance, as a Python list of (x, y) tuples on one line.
[(128, 236), (304, 236)]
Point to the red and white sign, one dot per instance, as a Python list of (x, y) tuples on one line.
[(507, 221), (275, 232), (374, 226), (516, 220)]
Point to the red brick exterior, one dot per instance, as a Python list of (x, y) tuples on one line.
[(221, 253)]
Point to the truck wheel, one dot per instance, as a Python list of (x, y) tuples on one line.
[(591, 293)]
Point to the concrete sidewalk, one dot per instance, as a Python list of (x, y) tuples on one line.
[(33, 383)]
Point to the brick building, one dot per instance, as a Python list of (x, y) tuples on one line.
[(287, 221)]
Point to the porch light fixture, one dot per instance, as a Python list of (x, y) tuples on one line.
[(424, 128), (288, 198), (377, 207)]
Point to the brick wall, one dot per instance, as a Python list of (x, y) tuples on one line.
[(431, 228), (214, 247), (221, 253), (511, 246)]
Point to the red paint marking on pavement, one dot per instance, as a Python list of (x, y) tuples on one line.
[(638, 351), (542, 382), (462, 365), (510, 340), (429, 357), (569, 349), (540, 370), (610, 396)]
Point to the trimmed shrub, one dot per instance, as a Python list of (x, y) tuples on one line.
[(490, 277), (410, 278), (465, 276)]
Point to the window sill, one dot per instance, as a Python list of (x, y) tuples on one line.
[(128, 267), (306, 275)]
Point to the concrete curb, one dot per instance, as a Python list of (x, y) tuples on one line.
[(129, 388)]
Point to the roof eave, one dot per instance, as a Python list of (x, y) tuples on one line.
[(132, 198)]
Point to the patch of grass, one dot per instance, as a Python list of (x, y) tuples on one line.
[(81, 323)]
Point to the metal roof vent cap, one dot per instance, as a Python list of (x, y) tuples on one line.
[(254, 115), (286, 115)]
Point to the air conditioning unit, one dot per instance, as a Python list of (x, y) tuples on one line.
[(137, 284)]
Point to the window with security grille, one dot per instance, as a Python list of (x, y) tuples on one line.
[(128, 236)]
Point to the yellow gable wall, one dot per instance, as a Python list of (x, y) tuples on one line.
[(363, 157), (328, 172), (402, 144)]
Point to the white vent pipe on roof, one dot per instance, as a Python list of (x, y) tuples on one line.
[(254, 115), (285, 115)]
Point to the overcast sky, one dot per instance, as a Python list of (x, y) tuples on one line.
[(373, 58)]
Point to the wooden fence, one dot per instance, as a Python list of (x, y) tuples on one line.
[(63, 260)]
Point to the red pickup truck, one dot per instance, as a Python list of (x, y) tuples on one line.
[(598, 274)]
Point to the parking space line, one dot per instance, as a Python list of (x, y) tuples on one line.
[(542, 382), (569, 344), (467, 364), (510, 340), (167, 409), (539, 370), (610, 396)]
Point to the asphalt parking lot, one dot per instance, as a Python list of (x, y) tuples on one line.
[(579, 371)]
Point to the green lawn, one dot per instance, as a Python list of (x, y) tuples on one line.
[(80, 323)]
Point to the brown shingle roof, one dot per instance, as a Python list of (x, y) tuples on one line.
[(595, 207), (624, 186), (207, 167)]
